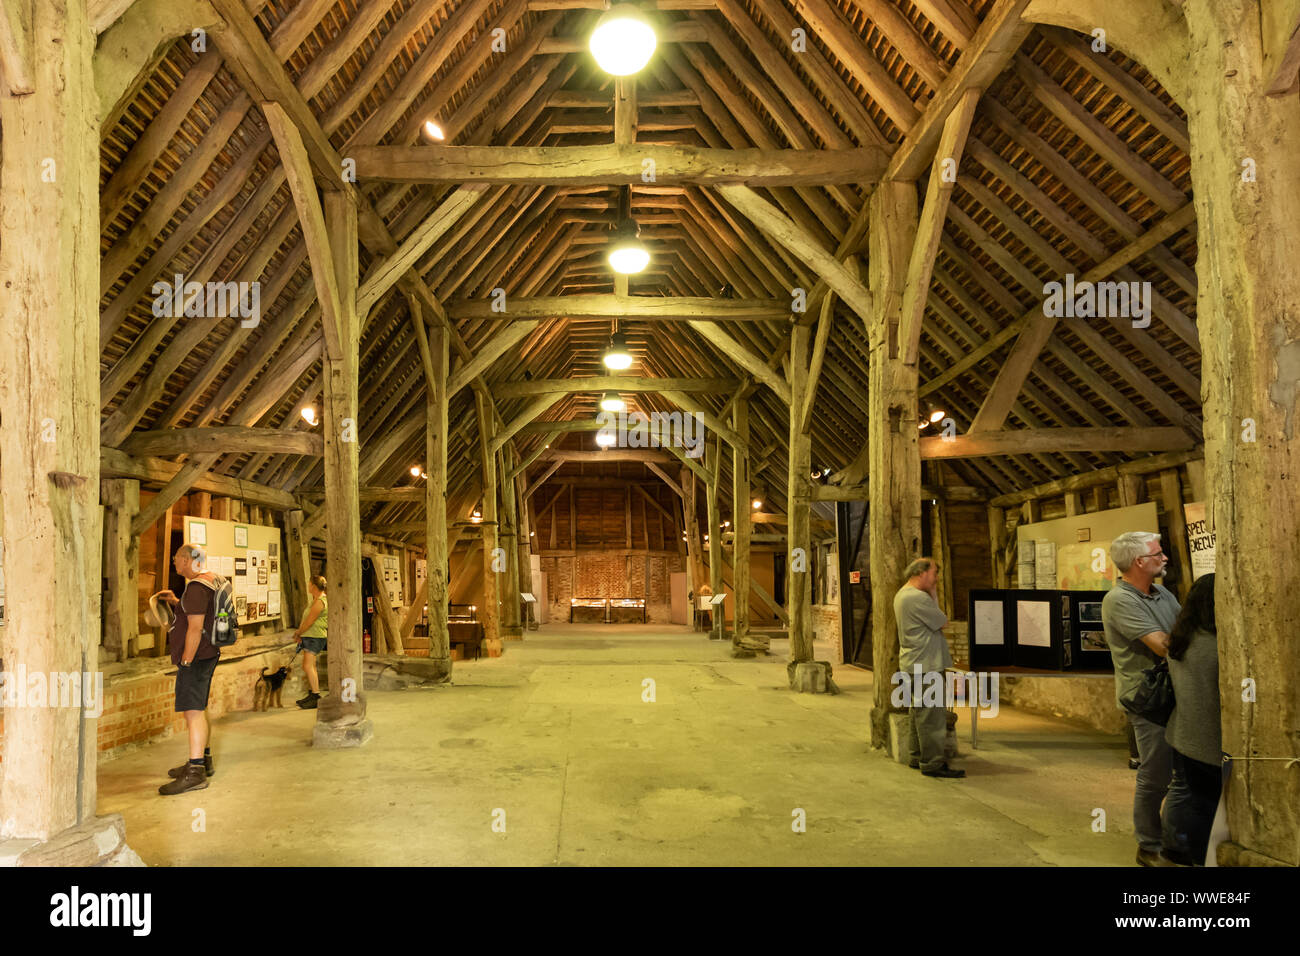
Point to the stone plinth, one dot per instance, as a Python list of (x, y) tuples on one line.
[(811, 677), (343, 733), (395, 672), (100, 841)]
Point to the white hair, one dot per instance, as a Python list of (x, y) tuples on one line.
[(1130, 546), (197, 556)]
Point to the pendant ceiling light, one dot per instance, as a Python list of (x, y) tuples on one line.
[(617, 357), (627, 254), (605, 439), (612, 402), (623, 40)]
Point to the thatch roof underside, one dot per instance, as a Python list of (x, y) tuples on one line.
[(1072, 155)]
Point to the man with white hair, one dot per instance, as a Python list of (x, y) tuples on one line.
[(1138, 615), (923, 650), (196, 660)]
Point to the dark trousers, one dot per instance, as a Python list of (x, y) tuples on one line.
[(1189, 809)]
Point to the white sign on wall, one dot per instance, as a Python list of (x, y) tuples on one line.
[(1200, 538)]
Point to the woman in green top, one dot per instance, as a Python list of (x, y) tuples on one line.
[(311, 638)]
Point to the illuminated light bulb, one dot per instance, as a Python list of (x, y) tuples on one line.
[(605, 439), (628, 256), (924, 424), (433, 130), (612, 402), (415, 471), (617, 357), (623, 40), (309, 414), (758, 503), (937, 415)]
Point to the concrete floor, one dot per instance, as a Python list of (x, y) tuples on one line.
[(556, 735)]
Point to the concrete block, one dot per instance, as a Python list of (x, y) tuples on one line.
[(899, 731), (339, 735), (811, 677)]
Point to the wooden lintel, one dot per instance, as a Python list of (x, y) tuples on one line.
[(616, 164), (1048, 440), (645, 307), (226, 439)]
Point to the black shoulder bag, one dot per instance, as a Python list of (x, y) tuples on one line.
[(1153, 699)]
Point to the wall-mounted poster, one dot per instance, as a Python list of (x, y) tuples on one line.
[(261, 574), (241, 536), (1200, 537), (241, 567), (196, 533), (241, 606), (273, 549), (273, 603)]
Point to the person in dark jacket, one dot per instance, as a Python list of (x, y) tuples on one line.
[(1194, 733)]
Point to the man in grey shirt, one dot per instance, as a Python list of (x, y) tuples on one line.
[(921, 646), (1137, 615)]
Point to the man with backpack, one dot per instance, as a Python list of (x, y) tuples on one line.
[(194, 644)]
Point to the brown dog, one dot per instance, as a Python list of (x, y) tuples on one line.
[(268, 688)]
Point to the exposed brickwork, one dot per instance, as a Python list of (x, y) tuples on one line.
[(826, 627), (612, 574), (139, 700)]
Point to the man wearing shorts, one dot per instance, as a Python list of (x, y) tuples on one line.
[(196, 658)]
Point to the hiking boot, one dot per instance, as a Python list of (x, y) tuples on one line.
[(946, 772), (191, 778), (207, 767), (1153, 858), (309, 702)]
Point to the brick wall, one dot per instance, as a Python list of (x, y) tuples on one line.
[(956, 633), (139, 696), (826, 627), (612, 574)]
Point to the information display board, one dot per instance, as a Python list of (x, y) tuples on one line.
[(1041, 629), (250, 556)]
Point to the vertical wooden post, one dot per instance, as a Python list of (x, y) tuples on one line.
[(341, 714), (998, 544), (691, 523), (49, 404), (1073, 503), (1196, 480), (121, 499), (489, 612), (1246, 174), (799, 495), (719, 615), (1132, 490), (894, 472), (741, 643), (1171, 494), (162, 573), (435, 502), (1100, 498), (941, 552), (524, 551), (297, 561), (509, 542)]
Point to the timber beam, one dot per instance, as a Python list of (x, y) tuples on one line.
[(617, 164), (646, 307)]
